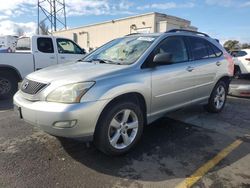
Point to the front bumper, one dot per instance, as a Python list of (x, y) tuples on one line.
[(45, 114)]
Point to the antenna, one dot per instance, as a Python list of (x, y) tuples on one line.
[(52, 14)]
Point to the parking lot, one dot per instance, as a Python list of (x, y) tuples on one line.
[(189, 147)]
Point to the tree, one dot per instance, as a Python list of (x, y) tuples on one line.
[(231, 45), (245, 45), (43, 29), (19, 32)]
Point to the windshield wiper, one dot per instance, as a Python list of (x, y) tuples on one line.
[(99, 60), (106, 61)]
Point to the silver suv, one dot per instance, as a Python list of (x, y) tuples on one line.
[(116, 90)]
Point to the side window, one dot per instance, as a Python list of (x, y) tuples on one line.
[(65, 46), (45, 45), (210, 50), (23, 44), (241, 54), (198, 48), (174, 46)]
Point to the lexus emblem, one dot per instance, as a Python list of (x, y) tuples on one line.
[(25, 85)]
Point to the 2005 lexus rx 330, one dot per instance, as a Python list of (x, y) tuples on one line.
[(125, 84)]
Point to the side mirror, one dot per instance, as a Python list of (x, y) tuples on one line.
[(162, 59), (83, 51)]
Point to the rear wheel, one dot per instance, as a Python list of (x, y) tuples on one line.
[(237, 72), (217, 98), (119, 128), (8, 85)]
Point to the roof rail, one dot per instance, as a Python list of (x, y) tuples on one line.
[(185, 30), (132, 34)]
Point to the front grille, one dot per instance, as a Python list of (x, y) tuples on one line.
[(31, 87)]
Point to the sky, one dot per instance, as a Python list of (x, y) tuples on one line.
[(222, 19)]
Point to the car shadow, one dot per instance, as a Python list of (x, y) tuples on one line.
[(6, 104), (168, 149)]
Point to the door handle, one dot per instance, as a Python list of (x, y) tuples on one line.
[(52, 57), (190, 68), (218, 63), (62, 57)]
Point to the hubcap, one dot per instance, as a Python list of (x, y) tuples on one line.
[(220, 97), (123, 129), (5, 86)]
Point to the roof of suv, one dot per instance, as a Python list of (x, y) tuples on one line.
[(173, 31)]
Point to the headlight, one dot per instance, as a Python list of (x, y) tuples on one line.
[(71, 93)]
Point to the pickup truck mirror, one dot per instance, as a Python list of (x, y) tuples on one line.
[(83, 51), (163, 59)]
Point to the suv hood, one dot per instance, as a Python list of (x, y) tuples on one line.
[(74, 72)]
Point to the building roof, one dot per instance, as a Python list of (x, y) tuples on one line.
[(129, 17)]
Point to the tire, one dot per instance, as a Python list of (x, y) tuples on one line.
[(112, 130), (237, 72), (217, 98), (8, 85)]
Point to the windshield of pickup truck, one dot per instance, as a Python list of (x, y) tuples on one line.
[(122, 51)]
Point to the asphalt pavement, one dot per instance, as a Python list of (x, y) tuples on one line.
[(172, 150)]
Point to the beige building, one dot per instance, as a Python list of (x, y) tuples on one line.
[(95, 35)]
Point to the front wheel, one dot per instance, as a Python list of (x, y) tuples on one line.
[(119, 128), (217, 98)]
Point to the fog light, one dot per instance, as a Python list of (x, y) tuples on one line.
[(65, 124)]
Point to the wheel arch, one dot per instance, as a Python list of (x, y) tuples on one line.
[(12, 70), (131, 96), (226, 79)]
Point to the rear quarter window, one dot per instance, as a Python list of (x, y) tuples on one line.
[(217, 51)]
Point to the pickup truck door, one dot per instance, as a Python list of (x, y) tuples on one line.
[(68, 51), (44, 53)]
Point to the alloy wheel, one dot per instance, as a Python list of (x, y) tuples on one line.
[(123, 129), (220, 97)]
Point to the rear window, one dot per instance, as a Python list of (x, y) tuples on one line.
[(45, 45), (198, 48), (23, 44)]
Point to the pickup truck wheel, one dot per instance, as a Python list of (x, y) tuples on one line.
[(8, 85), (217, 98), (119, 128)]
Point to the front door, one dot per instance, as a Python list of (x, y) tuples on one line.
[(68, 51), (172, 85), (44, 54)]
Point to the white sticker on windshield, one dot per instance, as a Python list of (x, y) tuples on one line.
[(149, 39)]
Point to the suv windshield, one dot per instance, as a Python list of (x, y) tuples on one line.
[(122, 51)]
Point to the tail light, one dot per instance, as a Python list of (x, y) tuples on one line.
[(230, 66)]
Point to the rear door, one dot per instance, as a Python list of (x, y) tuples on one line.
[(172, 85), (68, 50), (206, 59), (44, 54)]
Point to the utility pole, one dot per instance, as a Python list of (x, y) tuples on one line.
[(52, 13)]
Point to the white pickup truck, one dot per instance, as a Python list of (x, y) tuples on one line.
[(33, 54)]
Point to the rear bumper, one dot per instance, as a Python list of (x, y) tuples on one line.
[(47, 114), (239, 90)]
